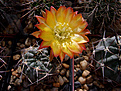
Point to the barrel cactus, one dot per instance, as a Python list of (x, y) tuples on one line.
[(107, 55), (36, 63)]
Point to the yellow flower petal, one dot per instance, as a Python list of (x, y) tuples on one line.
[(74, 47), (50, 20), (66, 50), (55, 45), (68, 14), (40, 19), (62, 56), (60, 15), (79, 38), (85, 32), (82, 46), (36, 34), (81, 27), (43, 13), (46, 36), (76, 21), (43, 27), (53, 11), (45, 44)]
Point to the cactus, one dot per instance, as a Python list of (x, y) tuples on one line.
[(37, 63), (107, 53)]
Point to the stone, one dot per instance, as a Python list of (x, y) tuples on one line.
[(56, 85), (65, 65), (85, 73), (67, 73), (61, 81), (77, 84), (54, 89), (83, 64), (16, 57), (82, 80), (63, 71), (86, 87), (79, 73), (65, 79)]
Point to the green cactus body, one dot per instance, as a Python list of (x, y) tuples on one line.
[(107, 52), (36, 62)]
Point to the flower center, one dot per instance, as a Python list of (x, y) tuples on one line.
[(62, 31)]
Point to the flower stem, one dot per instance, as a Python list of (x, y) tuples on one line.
[(71, 75)]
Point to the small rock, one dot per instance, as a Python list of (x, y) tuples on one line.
[(3, 43), (85, 73), (82, 80), (41, 90), (56, 85), (61, 81), (86, 58), (65, 65), (9, 87), (80, 90), (18, 44), (54, 89), (65, 79), (77, 84), (79, 73), (78, 66), (83, 64), (77, 60), (22, 46), (86, 87), (67, 73), (16, 57), (77, 69), (9, 43), (63, 71)]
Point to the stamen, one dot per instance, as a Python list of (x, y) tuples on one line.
[(62, 31)]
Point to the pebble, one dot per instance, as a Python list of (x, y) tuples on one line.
[(9, 43), (86, 87), (77, 84), (61, 81), (82, 80), (79, 73), (63, 71), (78, 66), (86, 58), (77, 60), (85, 73), (16, 57), (18, 44), (77, 69), (83, 64), (3, 43), (65, 79), (56, 85), (67, 73), (22, 46), (41, 90), (65, 65), (54, 89)]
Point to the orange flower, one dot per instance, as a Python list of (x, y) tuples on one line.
[(63, 30)]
